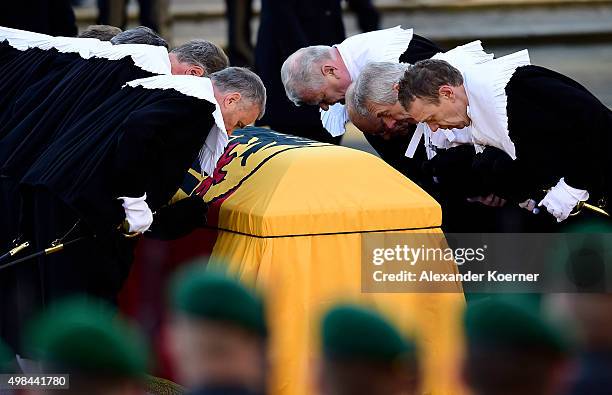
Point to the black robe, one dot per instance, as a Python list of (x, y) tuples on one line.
[(69, 91), (21, 69), (138, 141), (61, 90), (559, 129)]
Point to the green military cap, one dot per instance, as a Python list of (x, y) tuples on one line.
[(86, 336), (353, 332), (7, 359), (513, 324), (213, 296)]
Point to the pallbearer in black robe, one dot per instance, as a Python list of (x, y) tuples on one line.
[(67, 78), (139, 142), (48, 84), (559, 135), (26, 57), (542, 136), (81, 71), (559, 129)]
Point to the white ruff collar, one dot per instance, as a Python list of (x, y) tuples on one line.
[(147, 57), (151, 58), (378, 46), (461, 57), (357, 51), (201, 88), (485, 86)]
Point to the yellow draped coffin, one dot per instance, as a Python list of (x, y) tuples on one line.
[(290, 214)]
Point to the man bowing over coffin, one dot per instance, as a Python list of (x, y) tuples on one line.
[(544, 139), (320, 75), (119, 165), (55, 81)]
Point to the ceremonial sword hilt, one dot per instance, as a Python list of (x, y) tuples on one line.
[(18, 248), (124, 228)]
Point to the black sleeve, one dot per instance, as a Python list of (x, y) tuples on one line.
[(157, 146), (419, 48), (452, 170), (558, 127), (179, 219), (494, 171), (393, 151)]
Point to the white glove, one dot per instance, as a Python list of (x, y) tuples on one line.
[(561, 199), (137, 213)]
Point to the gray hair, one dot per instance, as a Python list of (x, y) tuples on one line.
[(375, 84), (202, 53), (139, 35), (243, 81), (349, 99), (424, 79), (299, 72), (101, 32)]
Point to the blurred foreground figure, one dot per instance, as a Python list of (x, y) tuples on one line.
[(218, 335), (363, 354), (590, 313), (101, 32), (512, 350), (85, 339), (7, 360), (589, 264)]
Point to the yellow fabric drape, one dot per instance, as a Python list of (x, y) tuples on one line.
[(300, 277)]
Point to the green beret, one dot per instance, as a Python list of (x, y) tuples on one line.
[(498, 323), (85, 336), (7, 359), (216, 297), (353, 332)]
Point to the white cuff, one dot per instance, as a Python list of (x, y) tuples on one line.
[(137, 213), (561, 199)]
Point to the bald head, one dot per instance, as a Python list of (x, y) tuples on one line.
[(300, 74), (315, 75)]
